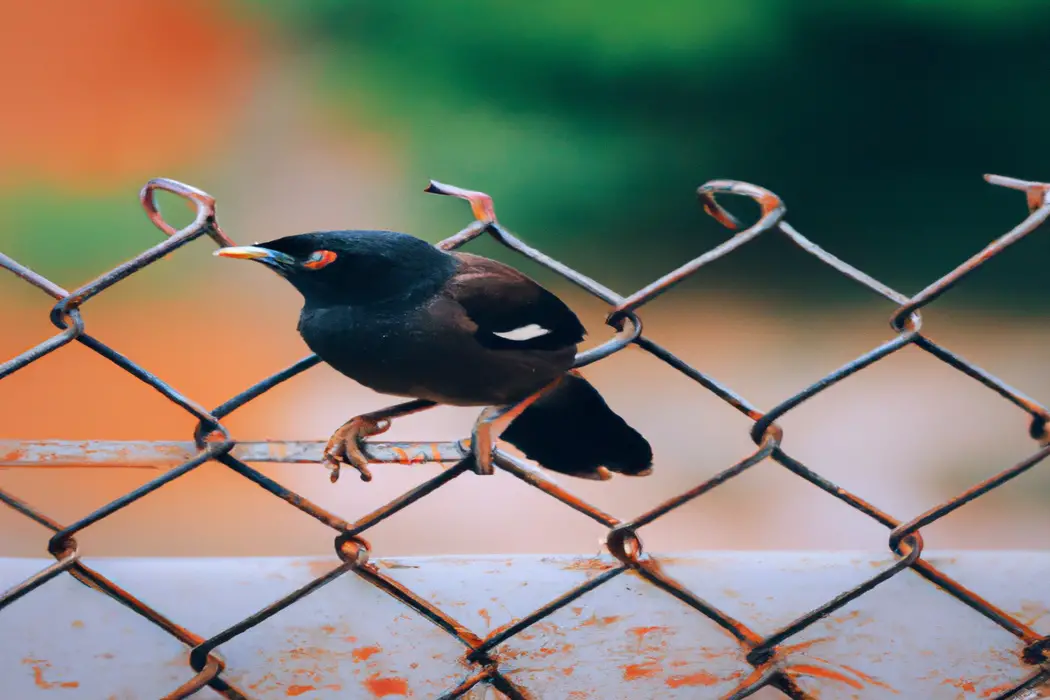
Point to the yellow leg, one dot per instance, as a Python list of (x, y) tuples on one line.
[(491, 422), (344, 447)]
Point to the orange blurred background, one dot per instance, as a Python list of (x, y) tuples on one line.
[(112, 94)]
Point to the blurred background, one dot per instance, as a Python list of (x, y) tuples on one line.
[(590, 124)]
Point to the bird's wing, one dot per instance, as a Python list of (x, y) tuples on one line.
[(510, 310)]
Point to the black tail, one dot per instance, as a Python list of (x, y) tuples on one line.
[(573, 431)]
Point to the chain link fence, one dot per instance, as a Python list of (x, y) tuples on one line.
[(765, 653)]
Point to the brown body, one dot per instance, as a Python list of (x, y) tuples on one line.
[(430, 351), (404, 318)]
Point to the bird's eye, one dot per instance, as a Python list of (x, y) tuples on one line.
[(319, 259)]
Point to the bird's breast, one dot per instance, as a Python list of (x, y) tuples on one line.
[(366, 348)]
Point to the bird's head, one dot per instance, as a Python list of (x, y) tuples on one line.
[(351, 267)]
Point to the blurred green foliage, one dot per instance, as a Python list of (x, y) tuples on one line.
[(592, 123), (79, 234), (73, 237)]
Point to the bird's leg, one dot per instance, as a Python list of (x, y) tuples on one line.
[(492, 422), (345, 444), (482, 438)]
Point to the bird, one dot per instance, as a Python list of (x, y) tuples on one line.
[(407, 319)]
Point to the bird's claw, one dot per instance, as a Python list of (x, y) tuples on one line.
[(344, 447)]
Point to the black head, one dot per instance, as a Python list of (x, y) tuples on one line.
[(352, 267)]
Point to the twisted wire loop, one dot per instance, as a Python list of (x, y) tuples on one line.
[(768, 654)]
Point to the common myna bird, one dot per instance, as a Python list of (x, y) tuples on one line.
[(405, 318)]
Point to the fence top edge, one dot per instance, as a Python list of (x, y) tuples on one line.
[(776, 557)]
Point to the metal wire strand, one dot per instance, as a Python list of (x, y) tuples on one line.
[(211, 441)]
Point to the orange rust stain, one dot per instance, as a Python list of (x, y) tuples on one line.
[(868, 679), (768, 202), (1032, 611), (350, 639), (363, 653), (386, 687), (595, 620), (588, 565), (720, 215), (404, 458), (296, 690), (818, 672), (568, 670), (313, 674), (546, 628), (578, 695), (1034, 197), (264, 679), (804, 645), (640, 632), (509, 654), (700, 678), (997, 690), (38, 678), (485, 615), (648, 669), (327, 629), (962, 684), (577, 611), (77, 624), (850, 616), (414, 665)]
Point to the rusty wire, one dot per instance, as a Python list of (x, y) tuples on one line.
[(213, 442)]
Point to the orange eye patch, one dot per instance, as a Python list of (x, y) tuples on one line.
[(321, 258)]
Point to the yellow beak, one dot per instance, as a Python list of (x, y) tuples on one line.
[(263, 255)]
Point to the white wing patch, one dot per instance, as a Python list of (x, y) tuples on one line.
[(524, 333)]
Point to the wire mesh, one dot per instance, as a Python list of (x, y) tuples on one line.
[(766, 653)]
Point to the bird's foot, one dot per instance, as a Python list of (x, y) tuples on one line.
[(344, 447)]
